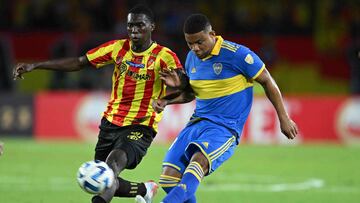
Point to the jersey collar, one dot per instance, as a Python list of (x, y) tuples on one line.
[(153, 45), (216, 50)]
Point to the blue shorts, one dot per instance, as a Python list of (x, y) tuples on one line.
[(215, 141)]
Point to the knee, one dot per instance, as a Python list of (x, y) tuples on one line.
[(200, 158)]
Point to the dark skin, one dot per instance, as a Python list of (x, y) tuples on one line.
[(201, 44), (139, 28)]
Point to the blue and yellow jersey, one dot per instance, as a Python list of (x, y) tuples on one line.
[(223, 83)]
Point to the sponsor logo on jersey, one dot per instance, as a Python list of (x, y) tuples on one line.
[(138, 76), (135, 65)]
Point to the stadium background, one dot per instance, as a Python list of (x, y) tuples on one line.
[(310, 47)]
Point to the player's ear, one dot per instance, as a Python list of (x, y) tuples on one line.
[(212, 33), (152, 27)]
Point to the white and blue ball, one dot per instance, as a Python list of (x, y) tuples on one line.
[(95, 176)]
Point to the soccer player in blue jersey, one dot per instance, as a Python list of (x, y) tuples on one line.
[(220, 76)]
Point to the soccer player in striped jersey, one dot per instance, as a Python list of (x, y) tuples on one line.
[(221, 75), (129, 123)]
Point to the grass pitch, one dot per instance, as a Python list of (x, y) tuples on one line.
[(33, 172)]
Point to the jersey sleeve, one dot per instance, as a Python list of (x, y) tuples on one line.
[(249, 63), (101, 55), (169, 60)]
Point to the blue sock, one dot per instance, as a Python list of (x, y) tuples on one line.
[(192, 199), (188, 185), (168, 183)]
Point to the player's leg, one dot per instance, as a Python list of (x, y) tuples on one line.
[(208, 151), (175, 161), (186, 188), (117, 160), (127, 153), (169, 179), (136, 142)]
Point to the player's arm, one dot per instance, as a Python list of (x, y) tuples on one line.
[(288, 127), (177, 97), (66, 65), (174, 78)]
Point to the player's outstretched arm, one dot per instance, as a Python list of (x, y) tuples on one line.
[(288, 126), (67, 65)]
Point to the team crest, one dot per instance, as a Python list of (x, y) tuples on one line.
[(150, 64), (249, 59), (217, 68), (122, 68)]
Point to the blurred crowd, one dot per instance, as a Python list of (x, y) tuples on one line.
[(325, 20)]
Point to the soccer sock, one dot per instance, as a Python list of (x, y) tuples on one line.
[(97, 199), (168, 182), (188, 185), (129, 189), (192, 199)]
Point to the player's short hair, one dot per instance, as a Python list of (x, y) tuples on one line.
[(142, 9), (196, 23)]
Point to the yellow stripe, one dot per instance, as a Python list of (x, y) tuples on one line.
[(103, 51), (172, 165), (138, 96), (204, 153), (170, 177), (168, 185), (229, 45), (194, 173), (208, 89), (231, 48), (217, 46), (259, 72), (168, 181), (116, 104), (167, 58), (197, 170), (224, 149), (218, 149)]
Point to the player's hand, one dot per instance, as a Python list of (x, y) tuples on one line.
[(170, 78), (20, 69), (159, 105), (289, 128)]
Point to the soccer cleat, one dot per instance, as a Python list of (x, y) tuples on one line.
[(151, 190)]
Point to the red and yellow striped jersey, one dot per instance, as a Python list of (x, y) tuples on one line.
[(135, 81)]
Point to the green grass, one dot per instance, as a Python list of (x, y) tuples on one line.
[(46, 172)]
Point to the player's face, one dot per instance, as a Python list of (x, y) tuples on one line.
[(139, 28), (201, 43)]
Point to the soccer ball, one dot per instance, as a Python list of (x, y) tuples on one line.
[(95, 176)]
